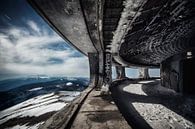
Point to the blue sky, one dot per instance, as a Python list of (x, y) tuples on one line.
[(28, 46), (134, 72)]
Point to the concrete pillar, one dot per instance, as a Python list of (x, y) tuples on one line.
[(101, 70), (107, 73), (94, 68), (107, 70), (143, 73), (120, 72)]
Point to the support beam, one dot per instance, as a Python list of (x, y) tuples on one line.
[(143, 73), (120, 72)]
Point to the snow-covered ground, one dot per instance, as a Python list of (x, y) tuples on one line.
[(33, 112), (160, 107)]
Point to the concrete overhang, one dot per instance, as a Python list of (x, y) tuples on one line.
[(67, 19), (150, 31), (141, 33)]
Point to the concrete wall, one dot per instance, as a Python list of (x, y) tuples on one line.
[(178, 72), (171, 74)]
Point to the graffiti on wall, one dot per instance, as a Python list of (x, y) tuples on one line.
[(108, 68)]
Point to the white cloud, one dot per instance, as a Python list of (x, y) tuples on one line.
[(33, 26), (23, 51), (73, 67)]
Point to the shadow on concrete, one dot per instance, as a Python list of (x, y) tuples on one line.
[(103, 116), (100, 114), (101, 101), (180, 104), (124, 101), (106, 98)]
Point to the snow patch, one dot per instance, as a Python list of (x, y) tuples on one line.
[(36, 107), (134, 89), (69, 83), (59, 86), (35, 89), (145, 82), (33, 107)]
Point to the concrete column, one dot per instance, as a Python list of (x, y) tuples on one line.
[(101, 70), (120, 72), (94, 68), (107, 70), (143, 73)]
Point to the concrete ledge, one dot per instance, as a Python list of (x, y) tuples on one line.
[(65, 116)]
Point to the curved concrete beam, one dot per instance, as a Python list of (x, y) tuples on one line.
[(123, 26), (66, 18)]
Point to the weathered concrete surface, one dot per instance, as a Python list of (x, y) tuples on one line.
[(177, 73), (143, 73), (93, 14), (66, 17), (149, 31), (171, 74), (140, 32), (89, 111), (64, 117), (98, 112), (94, 68), (148, 105)]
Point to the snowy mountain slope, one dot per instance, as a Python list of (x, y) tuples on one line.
[(31, 105)]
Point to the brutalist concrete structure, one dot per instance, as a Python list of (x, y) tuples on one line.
[(128, 33)]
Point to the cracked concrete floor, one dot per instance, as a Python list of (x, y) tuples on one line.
[(99, 112)]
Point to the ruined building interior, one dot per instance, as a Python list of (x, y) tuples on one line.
[(130, 33)]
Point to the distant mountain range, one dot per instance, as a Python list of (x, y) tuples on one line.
[(14, 91), (28, 99)]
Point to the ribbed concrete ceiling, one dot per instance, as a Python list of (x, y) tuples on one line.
[(149, 31)]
